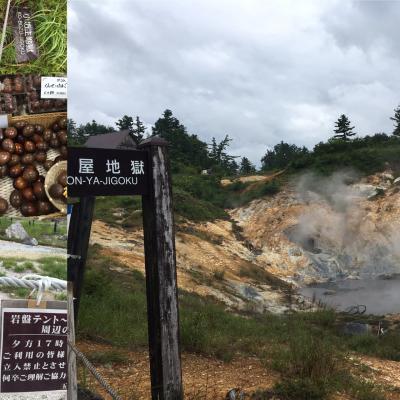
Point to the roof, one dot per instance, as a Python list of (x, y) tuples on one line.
[(113, 140)]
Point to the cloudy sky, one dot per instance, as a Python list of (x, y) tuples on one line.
[(261, 71)]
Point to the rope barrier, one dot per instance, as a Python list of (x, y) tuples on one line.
[(34, 282), (94, 372), (3, 36)]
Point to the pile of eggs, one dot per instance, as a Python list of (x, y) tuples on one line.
[(23, 148)]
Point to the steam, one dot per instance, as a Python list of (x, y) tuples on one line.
[(341, 231)]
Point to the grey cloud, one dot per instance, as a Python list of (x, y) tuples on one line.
[(259, 71)]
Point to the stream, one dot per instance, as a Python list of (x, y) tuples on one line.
[(380, 296)]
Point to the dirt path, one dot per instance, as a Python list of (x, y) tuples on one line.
[(204, 377), (13, 249)]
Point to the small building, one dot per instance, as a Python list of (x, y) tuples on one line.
[(113, 140)]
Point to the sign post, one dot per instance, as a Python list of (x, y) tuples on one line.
[(161, 279), (78, 243), (107, 172)]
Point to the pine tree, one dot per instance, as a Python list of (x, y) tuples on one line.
[(396, 120), (184, 148), (343, 129), (246, 167), (125, 122), (138, 131)]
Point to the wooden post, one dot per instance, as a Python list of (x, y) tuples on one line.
[(161, 279), (78, 243), (72, 392)]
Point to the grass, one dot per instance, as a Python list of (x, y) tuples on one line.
[(306, 348), (54, 267), (260, 275), (120, 211), (42, 231), (50, 19), (108, 357)]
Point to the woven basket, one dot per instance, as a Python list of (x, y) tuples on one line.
[(47, 120)]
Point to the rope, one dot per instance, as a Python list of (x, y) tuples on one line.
[(94, 372), (3, 36), (34, 282)]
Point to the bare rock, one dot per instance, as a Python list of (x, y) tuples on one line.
[(17, 232)]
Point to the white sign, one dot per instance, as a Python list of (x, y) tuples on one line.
[(54, 87)]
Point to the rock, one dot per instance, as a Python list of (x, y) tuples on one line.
[(387, 175), (17, 232), (295, 252), (235, 394), (368, 191), (30, 242), (397, 181), (379, 191)]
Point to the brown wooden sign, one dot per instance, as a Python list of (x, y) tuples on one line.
[(106, 172), (151, 164), (23, 28), (33, 350)]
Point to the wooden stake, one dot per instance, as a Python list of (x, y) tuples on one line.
[(72, 392), (161, 279), (78, 243)]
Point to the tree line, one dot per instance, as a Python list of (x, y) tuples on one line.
[(185, 149), (189, 151)]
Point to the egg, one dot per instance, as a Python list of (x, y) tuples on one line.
[(31, 174), (62, 178), (3, 171), (5, 157), (19, 149), (19, 125), (20, 183), (29, 209), (44, 207), (42, 146), (47, 135), (41, 157), (29, 146), (28, 194), (27, 158), (10, 133), (15, 171), (16, 198), (63, 123), (38, 190), (3, 206), (8, 145), (28, 130), (14, 160), (56, 191)]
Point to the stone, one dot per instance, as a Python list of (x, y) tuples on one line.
[(397, 181), (295, 252), (30, 242), (17, 232), (235, 394)]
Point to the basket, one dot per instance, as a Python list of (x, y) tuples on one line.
[(47, 120)]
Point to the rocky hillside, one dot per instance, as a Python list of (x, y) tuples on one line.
[(327, 229), (309, 231)]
